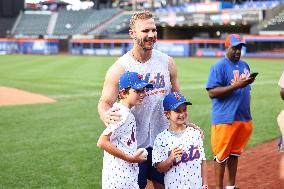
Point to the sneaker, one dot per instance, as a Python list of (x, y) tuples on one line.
[(232, 187)]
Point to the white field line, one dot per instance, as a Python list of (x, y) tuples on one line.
[(188, 87)]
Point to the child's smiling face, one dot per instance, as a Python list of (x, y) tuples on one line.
[(178, 116), (134, 97)]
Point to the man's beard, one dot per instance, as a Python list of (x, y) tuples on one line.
[(142, 42)]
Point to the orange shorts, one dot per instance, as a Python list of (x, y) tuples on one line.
[(229, 139)]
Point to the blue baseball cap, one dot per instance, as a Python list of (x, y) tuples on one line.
[(234, 40), (173, 100), (132, 80)]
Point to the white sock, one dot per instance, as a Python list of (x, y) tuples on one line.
[(230, 187)]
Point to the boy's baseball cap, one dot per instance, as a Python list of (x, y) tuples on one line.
[(132, 80), (234, 40), (173, 100)]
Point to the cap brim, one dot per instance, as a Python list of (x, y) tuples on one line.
[(236, 44), (142, 85), (178, 104)]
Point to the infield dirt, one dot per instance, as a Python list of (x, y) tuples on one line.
[(11, 96)]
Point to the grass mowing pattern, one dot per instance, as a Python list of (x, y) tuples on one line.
[(54, 145)]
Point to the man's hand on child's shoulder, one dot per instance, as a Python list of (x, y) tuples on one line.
[(112, 116)]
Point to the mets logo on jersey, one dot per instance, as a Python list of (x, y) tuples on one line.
[(188, 155), (158, 82), (139, 76), (237, 36), (238, 76)]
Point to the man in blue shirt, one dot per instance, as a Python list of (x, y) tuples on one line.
[(228, 86)]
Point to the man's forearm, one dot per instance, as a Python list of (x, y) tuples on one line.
[(221, 92), (102, 108), (164, 166), (106, 145)]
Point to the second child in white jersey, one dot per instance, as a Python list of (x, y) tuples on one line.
[(120, 168), (178, 151)]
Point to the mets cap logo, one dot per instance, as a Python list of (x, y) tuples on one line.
[(177, 95), (173, 100), (237, 36), (140, 76)]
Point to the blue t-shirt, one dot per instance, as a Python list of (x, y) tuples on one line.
[(235, 106)]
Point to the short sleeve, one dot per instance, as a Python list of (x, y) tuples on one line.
[(199, 138), (111, 129), (202, 152), (114, 128), (215, 77), (159, 152)]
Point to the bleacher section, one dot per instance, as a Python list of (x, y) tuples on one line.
[(213, 18), (35, 23), (114, 26), (82, 21), (275, 26), (195, 7), (257, 4), (97, 19), (32, 23), (205, 23), (69, 21), (6, 25)]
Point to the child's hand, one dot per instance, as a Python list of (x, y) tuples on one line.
[(175, 153), (138, 156), (166, 165)]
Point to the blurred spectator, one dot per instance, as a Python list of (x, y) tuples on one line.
[(280, 120)]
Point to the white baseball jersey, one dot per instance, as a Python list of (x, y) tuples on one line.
[(116, 172), (186, 172), (150, 119)]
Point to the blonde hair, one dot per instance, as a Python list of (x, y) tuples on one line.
[(141, 15)]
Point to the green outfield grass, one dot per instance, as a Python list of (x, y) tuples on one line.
[(54, 145)]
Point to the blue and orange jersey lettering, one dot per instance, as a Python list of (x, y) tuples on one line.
[(190, 154)]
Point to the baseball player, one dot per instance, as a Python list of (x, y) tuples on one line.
[(121, 157), (178, 151)]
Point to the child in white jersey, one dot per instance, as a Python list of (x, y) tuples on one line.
[(178, 151), (121, 157)]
